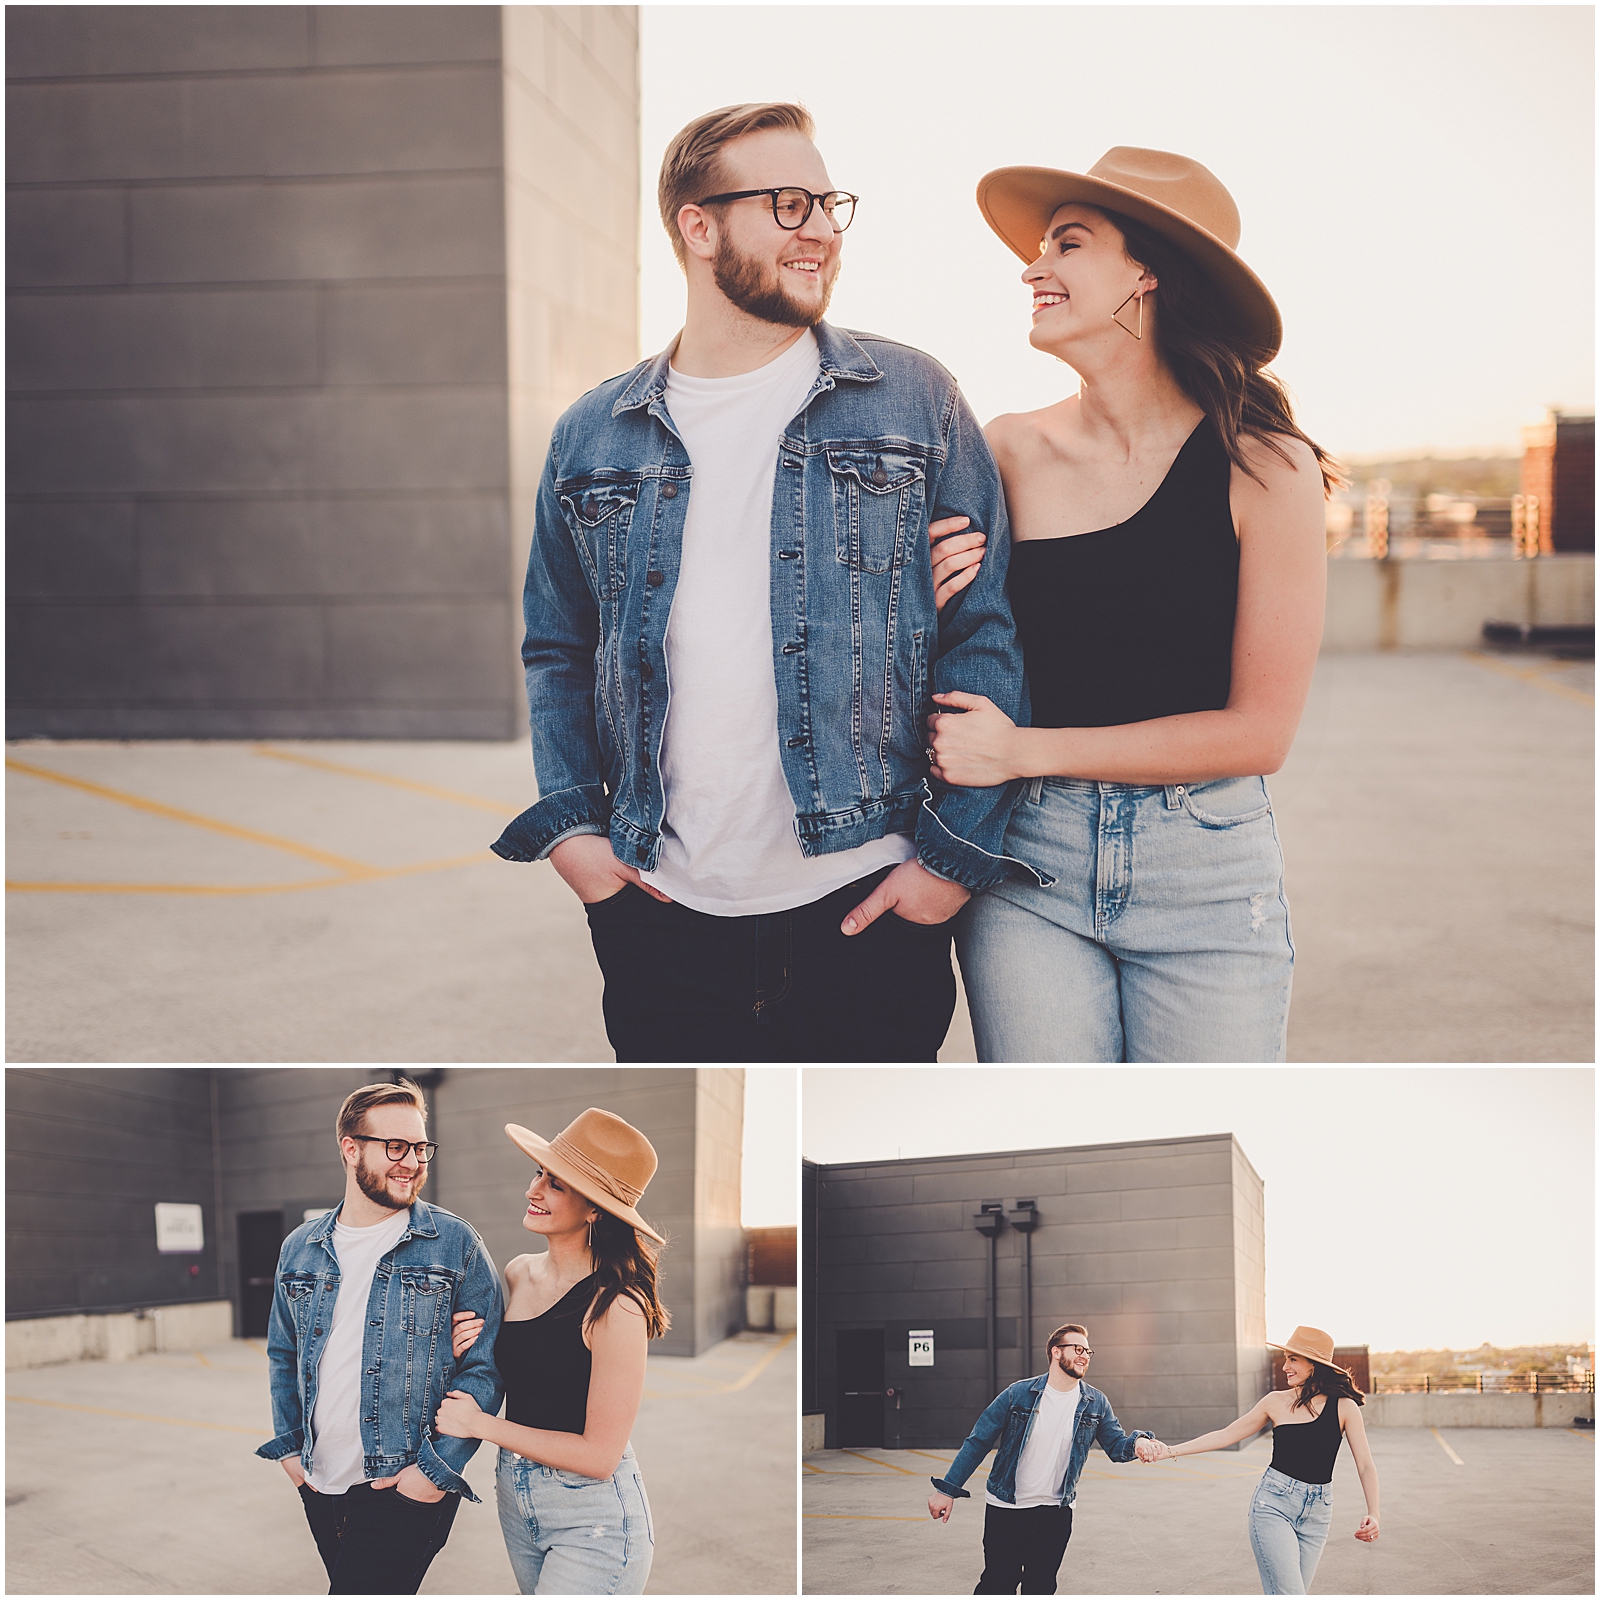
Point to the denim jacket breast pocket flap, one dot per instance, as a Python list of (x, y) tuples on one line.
[(598, 511), (427, 1294), (879, 493)]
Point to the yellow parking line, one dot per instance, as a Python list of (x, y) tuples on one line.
[(1534, 676), (341, 864), (760, 1367), (877, 1463), (497, 807), (262, 1433), (945, 1460), (1446, 1448), (366, 875)]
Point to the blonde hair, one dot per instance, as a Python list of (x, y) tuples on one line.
[(353, 1113), (1060, 1335), (692, 165)]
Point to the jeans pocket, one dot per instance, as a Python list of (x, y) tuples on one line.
[(624, 897), (1225, 802)]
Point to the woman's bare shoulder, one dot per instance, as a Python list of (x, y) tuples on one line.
[(1279, 461), (1016, 434)]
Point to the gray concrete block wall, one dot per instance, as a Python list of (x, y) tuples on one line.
[(719, 1256), (89, 1153), (1154, 1246), (262, 292)]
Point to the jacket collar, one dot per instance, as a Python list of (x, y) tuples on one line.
[(841, 357), (420, 1224)]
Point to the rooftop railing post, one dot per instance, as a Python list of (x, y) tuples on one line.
[(989, 1219), (1025, 1218)]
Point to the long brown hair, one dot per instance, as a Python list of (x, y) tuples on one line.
[(1215, 365), (1336, 1385), (626, 1262)]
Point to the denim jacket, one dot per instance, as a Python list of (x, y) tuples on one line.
[(883, 444), (439, 1265), (1008, 1419)]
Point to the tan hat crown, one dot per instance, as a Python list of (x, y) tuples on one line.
[(1177, 183), (604, 1158), (1312, 1343)]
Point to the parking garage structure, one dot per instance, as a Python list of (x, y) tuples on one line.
[(933, 1283)]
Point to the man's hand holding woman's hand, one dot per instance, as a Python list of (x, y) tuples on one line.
[(591, 872), (1153, 1450), (940, 1505)]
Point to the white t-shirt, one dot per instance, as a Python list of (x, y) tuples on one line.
[(1043, 1465), (728, 845), (337, 1457)]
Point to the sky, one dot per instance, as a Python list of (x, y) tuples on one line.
[(1407, 1208), (1416, 183), (769, 1186)]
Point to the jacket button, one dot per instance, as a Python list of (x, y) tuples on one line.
[(879, 476), (669, 491), (646, 671), (655, 579), (316, 1333)]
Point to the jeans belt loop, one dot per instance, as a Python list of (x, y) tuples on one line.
[(1035, 790), (1173, 802)]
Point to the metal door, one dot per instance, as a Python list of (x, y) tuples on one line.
[(260, 1238), (860, 1373)]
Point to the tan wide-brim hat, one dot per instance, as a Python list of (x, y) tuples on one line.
[(605, 1159), (1313, 1344), (1178, 198)]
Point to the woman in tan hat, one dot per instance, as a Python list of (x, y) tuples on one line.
[(571, 1352), (1167, 576), (1292, 1507)]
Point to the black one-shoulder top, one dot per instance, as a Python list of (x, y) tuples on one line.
[(545, 1364), (1306, 1450), (1135, 621)]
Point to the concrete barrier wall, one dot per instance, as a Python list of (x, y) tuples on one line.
[(49, 1341), (1443, 605), (1472, 1410)]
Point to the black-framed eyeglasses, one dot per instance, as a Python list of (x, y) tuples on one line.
[(791, 207), (1076, 1349), (396, 1149)]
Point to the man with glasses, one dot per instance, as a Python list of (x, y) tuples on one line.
[(1043, 1427), (734, 637), (359, 1348)]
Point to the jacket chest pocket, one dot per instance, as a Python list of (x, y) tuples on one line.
[(425, 1297), (599, 513), (878, 501), (300, 1291)]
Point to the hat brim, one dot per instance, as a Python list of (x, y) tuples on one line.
[(530, 1144), (1307, 1355), (1018, 202)]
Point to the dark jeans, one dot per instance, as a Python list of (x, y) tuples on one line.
[(1023, 1546), (375, 1541), (782, 986)]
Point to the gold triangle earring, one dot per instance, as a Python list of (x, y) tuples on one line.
[(1116, 316)]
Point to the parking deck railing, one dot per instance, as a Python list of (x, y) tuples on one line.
[(1486, 1383)]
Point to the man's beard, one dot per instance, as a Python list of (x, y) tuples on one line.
[(758, 289), (375, 1187)]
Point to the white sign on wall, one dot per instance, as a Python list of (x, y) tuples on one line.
[(179, 1229), (921, 1347)]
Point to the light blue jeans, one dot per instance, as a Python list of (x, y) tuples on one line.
[(1165, 936), (1289, 1523), (568, 1534)]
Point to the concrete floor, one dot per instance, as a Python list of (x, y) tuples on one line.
[(138, 1478), (336, 901), (1515, 1517)]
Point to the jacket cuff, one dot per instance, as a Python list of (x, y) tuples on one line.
[(950, 1489), (948, 855), (533, 835), (286, 1444), (433, 1468)]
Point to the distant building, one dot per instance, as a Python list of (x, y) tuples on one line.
[(1558, 467), (1155, 1245)]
